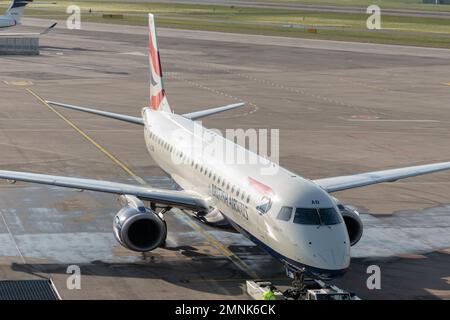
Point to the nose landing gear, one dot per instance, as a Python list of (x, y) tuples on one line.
[(298, 289), (307, 288)]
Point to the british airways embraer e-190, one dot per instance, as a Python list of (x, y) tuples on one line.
[(294, 219)]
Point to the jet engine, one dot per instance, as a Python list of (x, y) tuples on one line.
[(138, 228), (352, 222)]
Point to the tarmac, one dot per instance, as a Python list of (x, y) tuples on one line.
[(341, 108)]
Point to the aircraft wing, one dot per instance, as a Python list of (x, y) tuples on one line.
[(29, 34), (364, 179), (179, 199)]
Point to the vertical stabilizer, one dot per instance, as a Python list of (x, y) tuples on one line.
[(158, 99), (16, 8)]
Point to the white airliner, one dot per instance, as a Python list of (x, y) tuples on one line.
[(13, 17), (294, 219)]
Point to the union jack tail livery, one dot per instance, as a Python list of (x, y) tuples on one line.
[(158, 100)]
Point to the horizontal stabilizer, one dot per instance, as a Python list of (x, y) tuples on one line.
[(112, 115), (208, 112)]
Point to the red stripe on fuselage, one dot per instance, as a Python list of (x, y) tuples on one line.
[(261, 187)]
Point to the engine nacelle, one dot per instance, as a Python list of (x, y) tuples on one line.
[(352, 222), (138, 228)]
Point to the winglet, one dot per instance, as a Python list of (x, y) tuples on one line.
[(48, 29)]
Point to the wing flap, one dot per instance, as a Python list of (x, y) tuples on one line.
[(179, 199), (364, 179)]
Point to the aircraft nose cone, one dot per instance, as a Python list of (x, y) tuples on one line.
[(333, 258), (329, 248)]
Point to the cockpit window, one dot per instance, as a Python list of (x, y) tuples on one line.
[(317, 216), (329, 216), (306, 216), (285, 213)]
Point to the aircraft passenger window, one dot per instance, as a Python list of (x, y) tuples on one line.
[(307, 216), (248, 199), (232, 189), (237, 192), (285, 214)]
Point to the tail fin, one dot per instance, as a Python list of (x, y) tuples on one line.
[(16, 8), (158, 100)]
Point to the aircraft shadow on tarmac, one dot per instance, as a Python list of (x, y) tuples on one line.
[(180, 273), (194, 270), (415, 277)]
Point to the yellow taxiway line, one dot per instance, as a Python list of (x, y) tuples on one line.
[(87, 137)]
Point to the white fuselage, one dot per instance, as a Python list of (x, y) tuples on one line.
[(240, 189)]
